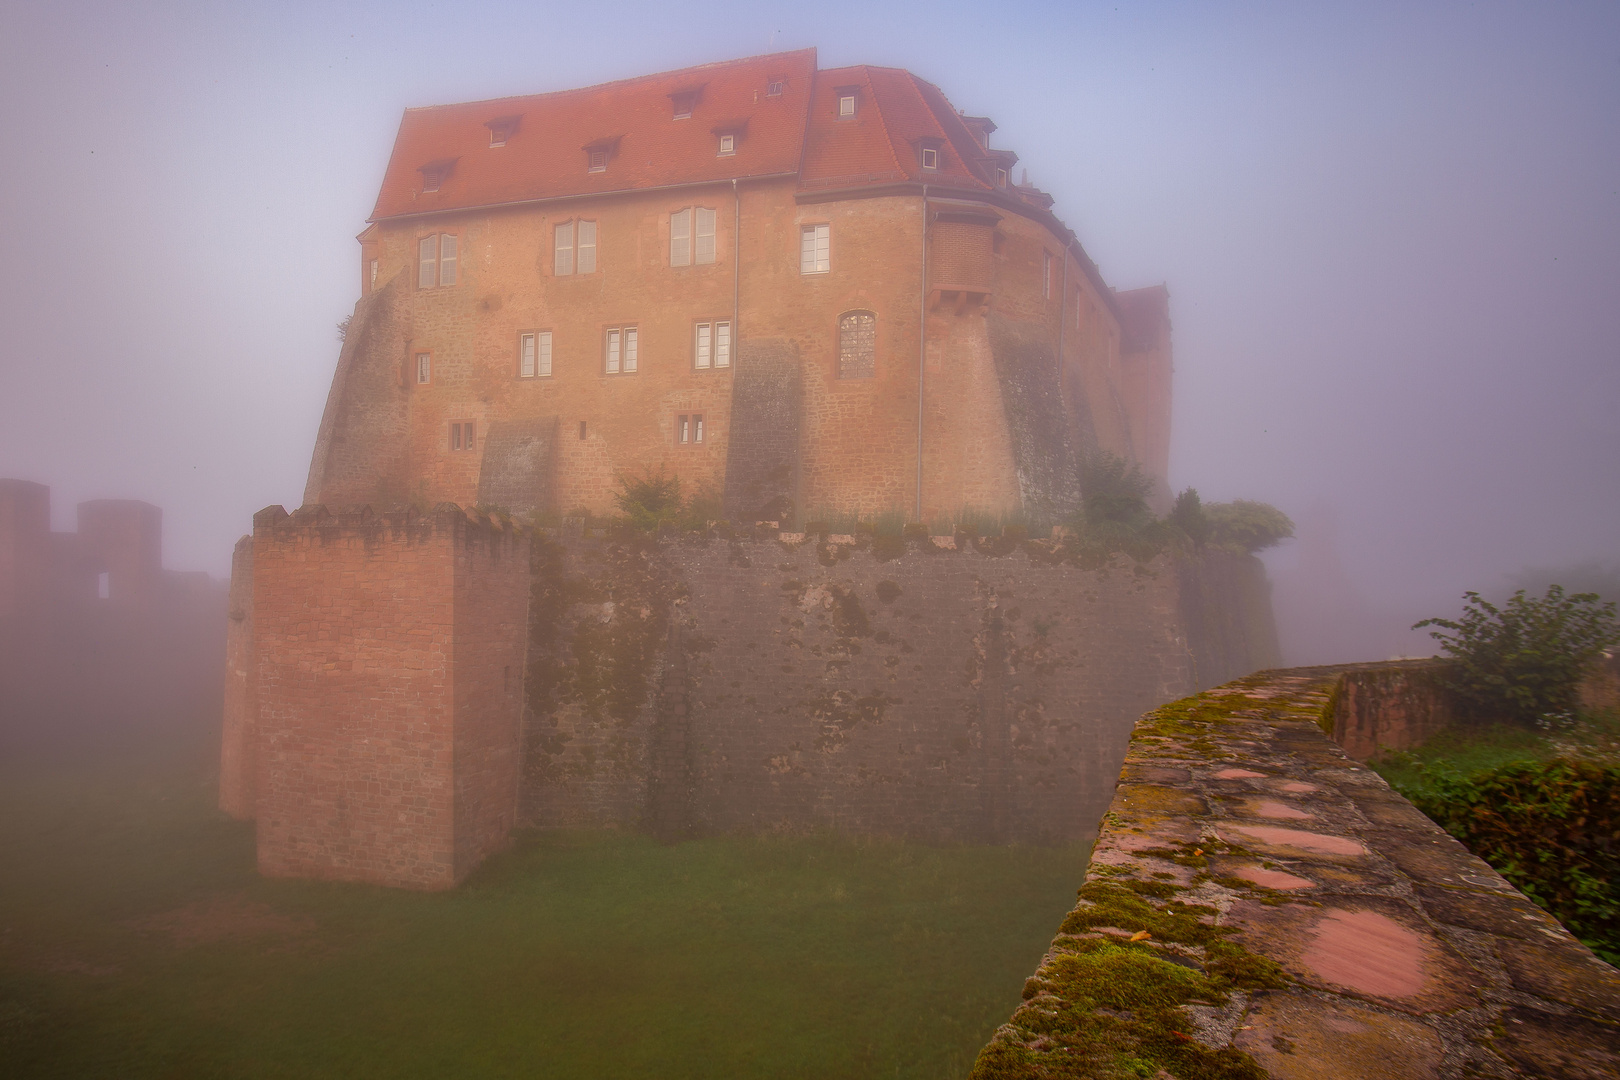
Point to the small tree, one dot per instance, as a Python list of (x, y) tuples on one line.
[(1114, 490), (1245, 526), (1188, 516), (1525, 659), (648, 499)]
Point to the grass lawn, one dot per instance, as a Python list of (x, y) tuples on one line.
[(137, 940), (1471, 749)]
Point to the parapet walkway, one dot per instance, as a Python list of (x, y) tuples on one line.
[(1258, 903)]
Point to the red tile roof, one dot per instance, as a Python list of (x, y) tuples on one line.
[(545, 157)]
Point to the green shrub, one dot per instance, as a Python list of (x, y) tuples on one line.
[(1245, 527), (1524, 661), (1548, 827), (1188, 515)]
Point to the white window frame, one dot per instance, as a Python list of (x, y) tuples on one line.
[(930, 157), (596, 160), (620, 350), (372, 287), (680, 237), (424, 368), (728, 145), (815, 248), (848, 105), (463, 435), (703, 233), (436, 260), (711, 345), (776, 86), (534, 354), (689, 429), (573, 247)]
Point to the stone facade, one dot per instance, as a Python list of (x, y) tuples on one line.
[(998, 353)]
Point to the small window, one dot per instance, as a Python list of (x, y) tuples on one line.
[(776, 86), (461, 435), (684, 103), (596, 161), (562, 262), (431, 179), (814, 249), (585, 260), (372, 287), (857, 345), (1046, 274), (689, 429), (436, 261), (846, 104), (728, 145), (705, 236), (711, 345), (582, 431), (424, 368), (501, 129), (104, 585), (930, 157), (534, 355), (1001, 178), (620, 351)]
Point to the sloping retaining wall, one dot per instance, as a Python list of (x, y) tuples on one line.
[(1259, 904), (940, 689)]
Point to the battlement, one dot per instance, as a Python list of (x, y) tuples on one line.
[(375, 731)]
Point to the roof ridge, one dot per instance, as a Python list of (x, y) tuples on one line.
[(593, 87)]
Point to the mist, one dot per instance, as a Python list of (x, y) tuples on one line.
[(1391, 238)]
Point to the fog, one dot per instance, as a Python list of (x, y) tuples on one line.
[(1391, 237)]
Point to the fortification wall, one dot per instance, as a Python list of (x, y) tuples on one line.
[(981, 691), (387, 655), (1259, 904)]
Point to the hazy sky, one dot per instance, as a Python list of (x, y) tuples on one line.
[(1391, 235)]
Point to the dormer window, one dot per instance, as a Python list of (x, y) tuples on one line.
[(685, 100), (728, 145), (434, 174), (599, 151), (930, 158), (501, 129), (776, 86), (1001, 178), (848, 101)]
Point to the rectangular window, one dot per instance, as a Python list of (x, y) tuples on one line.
[(447, 259), (689, 429), (534, 355), (814, 246), (435, 261), (930, 158), (1046, 274), (711, 345), (373, 286), (427, 262), (597, 160), (461, 435), (846, 105), (705, 236), (585, 261), (775, 86), (728, 145), (562, 262), (621, 351), (680, 237), (424, 368)]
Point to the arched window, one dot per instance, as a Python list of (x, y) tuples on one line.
[(857, 345)]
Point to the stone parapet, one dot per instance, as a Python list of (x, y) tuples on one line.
[(1257, 903)]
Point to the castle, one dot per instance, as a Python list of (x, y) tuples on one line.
[(806, 291), (813, 294)]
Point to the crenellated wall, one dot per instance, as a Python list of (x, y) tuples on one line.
[(1259, 904)]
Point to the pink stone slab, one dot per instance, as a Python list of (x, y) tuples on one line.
[(1238, 774), (1320, 843), (1298, 788), (1272, 879), (1369, 953), (1271, 808)]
